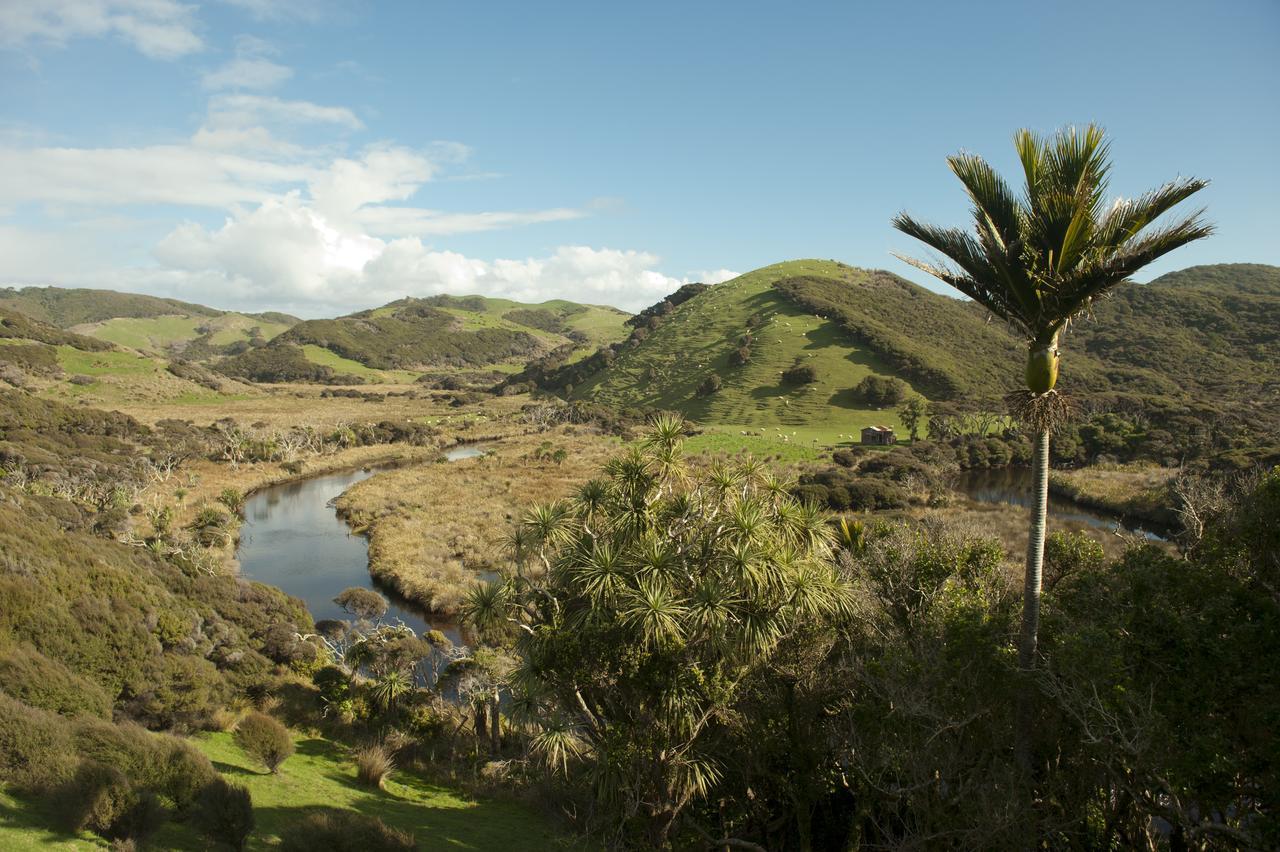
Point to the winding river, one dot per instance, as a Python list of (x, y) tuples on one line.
[(293, 539)]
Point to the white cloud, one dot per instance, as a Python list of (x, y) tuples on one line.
[(286, 256), (247, 73), (284, 10), (243, 110), (160, 29), (249, 68)]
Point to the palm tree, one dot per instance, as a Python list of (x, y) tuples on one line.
[(1038, 261)]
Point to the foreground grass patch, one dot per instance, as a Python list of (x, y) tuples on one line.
[(322, 775)]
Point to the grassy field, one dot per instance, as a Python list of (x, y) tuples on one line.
[(319, 775), (124, 379), (158, 334), (698, 339), (326, 358)]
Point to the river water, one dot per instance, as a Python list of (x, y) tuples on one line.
[(1012, 485), (292, 538)]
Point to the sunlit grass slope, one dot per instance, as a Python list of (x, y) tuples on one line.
[(697, 340), (319, 775), (167, 333)]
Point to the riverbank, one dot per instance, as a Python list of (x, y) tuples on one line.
[(434, 530), (1133, 492)]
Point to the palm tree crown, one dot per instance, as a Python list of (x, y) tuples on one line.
[(1039, 260)]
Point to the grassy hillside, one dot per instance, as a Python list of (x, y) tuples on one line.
[(1203, 338), (763, 311), (146, 323), (401, 340), (1211, 332)]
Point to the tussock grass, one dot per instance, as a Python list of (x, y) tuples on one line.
[(435, 529)]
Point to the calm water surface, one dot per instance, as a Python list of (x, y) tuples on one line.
[(292, 538), (1012, 485)]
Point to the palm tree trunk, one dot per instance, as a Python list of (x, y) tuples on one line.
[(1031, 600)]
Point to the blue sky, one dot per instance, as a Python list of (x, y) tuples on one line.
[(326, 156)]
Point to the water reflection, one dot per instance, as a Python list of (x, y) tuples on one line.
[(292, 538)]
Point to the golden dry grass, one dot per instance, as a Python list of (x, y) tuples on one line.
[(1138, 491), (435, 529)]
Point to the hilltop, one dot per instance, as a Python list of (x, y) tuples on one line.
[(147, 323), (405, 338)]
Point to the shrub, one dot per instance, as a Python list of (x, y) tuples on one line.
[(740, 356), (232, 499), (210, 527), (265, 740), (800, 374), (35, 679), (101, 799), (881, 391), (82, 380), (166, 765), (36, 750), (710, 385), (225, 813), (374, 764), (344, 831)]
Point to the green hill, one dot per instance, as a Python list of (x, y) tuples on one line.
[(405, 338), (1203, 337), (793, 314), (146, 323)]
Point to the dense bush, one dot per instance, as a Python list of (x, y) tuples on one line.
[(36, 749), (225, 813), (33, 678), (168, 766), (881, 391), (711, 384), (800, 374), (279, 361), (265, 740), (344, 831)]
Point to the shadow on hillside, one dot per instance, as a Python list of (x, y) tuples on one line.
[(232, 769), (33, 814)]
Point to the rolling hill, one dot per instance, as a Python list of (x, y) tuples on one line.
[(1204, 336), (146, 323), (63, 365), (405, 338)]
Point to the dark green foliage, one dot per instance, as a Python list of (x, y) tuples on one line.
[(413, 335), (651, 317), (224, 812), (167, 766), (344, 831), (33, 678), (68, 307), (36, 748), (22, 326), (800, 374), (101, 799), (740, 356), (710, 385), (881, 391), (192, 372), (281, 361), (538, 318), (265, 740)]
